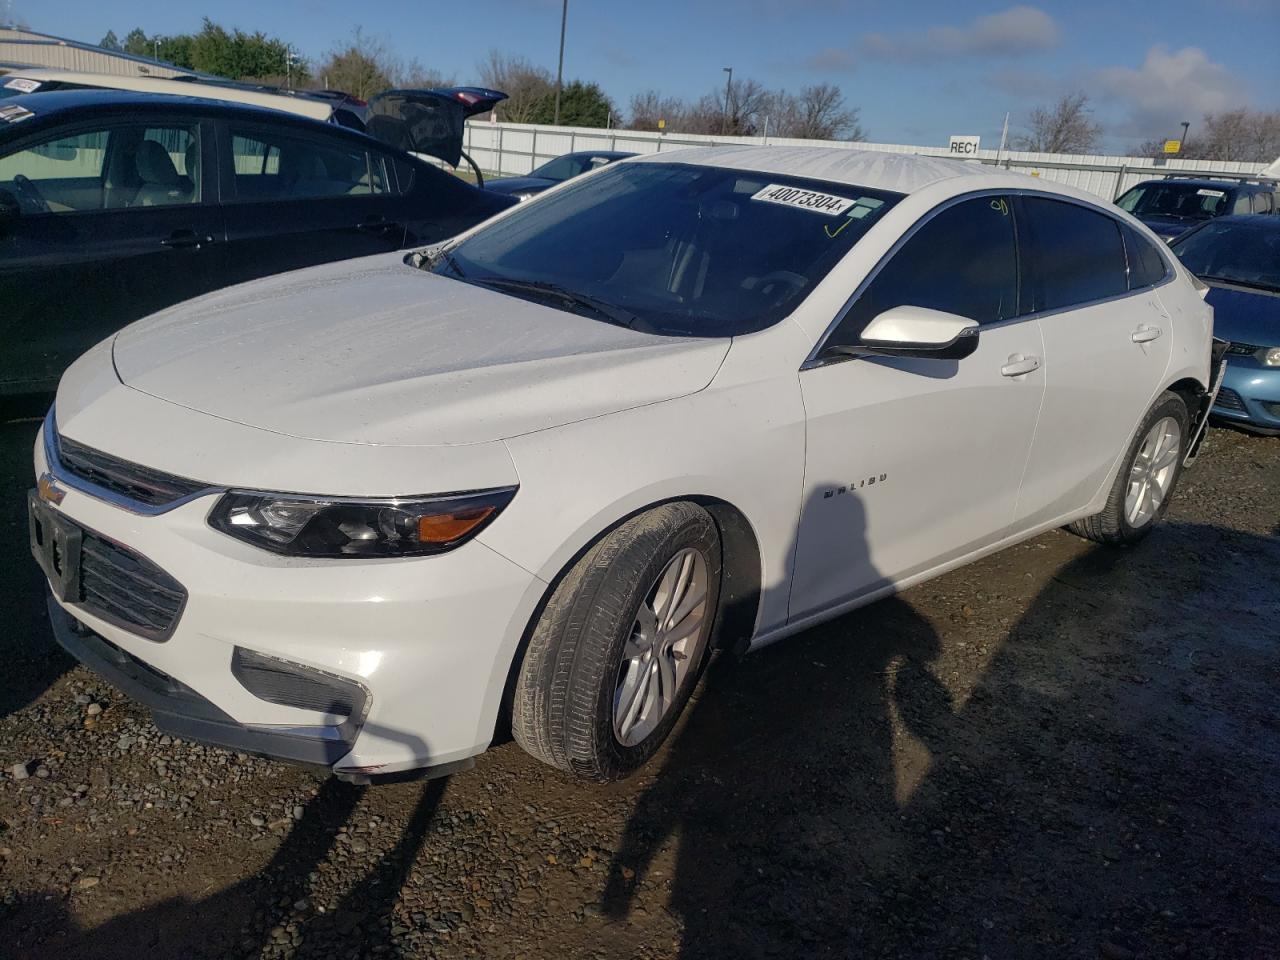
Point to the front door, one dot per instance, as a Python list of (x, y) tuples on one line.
[(295, 199), (1107, 342), (105, 225), (914, 462)]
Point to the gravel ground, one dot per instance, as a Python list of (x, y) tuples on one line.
[(1062, 751)]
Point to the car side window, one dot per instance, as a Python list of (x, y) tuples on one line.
[(108, 168), (1076, 254), (1242, 204), (1262, 202), (963, 260), (283, 167), (1146, 266)]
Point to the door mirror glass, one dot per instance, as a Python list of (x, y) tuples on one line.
[(909, 331)]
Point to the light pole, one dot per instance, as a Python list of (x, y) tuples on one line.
[(155, 47), (564, 17), (1186, 124), (728, 89)]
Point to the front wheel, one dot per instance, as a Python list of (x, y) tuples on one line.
[(617, 651), (1145, 484)]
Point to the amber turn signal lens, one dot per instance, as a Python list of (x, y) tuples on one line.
[(446, 527)]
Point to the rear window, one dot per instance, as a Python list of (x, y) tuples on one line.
[(1077, 254), (686, 250)]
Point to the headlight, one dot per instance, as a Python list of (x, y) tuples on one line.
[(1271, 357), (307, 526)]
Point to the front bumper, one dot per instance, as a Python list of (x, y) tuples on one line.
[(1250, 394), (429, 641)]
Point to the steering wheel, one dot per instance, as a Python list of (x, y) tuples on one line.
[(29, 196)]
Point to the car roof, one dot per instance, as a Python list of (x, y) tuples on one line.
[(874, 169), (317, 108), (1194, 182), (62, 105)]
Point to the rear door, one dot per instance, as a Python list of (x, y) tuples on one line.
[(293, 198), (1107, 343), (114, 221)]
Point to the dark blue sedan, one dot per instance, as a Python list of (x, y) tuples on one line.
[(1239, 258), (553, 172)]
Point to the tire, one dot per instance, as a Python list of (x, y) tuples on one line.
[(563, 711), (1114, 524)]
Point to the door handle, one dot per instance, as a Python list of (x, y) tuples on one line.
[(1019, 365), (1145, 334), (185, 240)]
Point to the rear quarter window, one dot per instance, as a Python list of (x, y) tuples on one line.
[(1146, 265), (1077, 255)]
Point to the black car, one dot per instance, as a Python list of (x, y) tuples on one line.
[(115, 205), (555, 171), (1173, 206)]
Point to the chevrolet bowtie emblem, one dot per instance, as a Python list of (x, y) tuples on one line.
[(49, 490)]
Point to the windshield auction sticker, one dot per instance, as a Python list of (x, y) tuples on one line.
[(825, 203), (23, 84)]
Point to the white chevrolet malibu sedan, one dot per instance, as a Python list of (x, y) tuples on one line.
[(370, 515)]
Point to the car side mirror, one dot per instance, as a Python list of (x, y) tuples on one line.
[(909, 331)]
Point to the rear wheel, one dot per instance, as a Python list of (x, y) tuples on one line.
[(620, 645), (1145, 484)]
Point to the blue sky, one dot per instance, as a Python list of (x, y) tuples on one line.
[(918, 69)]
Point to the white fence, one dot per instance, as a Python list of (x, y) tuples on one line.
[(513, 149)]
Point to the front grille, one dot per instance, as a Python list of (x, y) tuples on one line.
[(128, 590), (1228, 399), (129, 480)]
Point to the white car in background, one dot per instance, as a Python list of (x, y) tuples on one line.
[(359, 514)]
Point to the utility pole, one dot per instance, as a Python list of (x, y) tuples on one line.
[(564, 17), (155, 46), (1186, 125), (728, 90)]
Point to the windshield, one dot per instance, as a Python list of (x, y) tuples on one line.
[(671, 248), (1185, 201), (1237, 251)]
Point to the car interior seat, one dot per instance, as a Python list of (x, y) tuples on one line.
[(161, 182)]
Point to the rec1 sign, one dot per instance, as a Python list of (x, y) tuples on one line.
[(965, 146)]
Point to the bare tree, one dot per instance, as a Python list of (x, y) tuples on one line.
[(363, 68), (525, 84), (1065, 127), (649, 107), (1245, 135), (741, 117), (1251, 136), (817, 113), (415, 76)]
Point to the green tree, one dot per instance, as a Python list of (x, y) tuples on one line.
[(136, 43), (110, 41), (582, 104)]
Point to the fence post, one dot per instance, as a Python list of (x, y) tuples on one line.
[(1115, 194), (500, 129), (533, 162)]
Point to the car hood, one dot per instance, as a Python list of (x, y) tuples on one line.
[(1245, 316), (510, 185), (374, 351), (1169, 227)]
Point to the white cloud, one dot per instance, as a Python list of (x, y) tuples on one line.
[(1014, 32), (1169, 87)]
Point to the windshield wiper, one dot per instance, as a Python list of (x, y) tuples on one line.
[(554, 291), (450, 261)]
